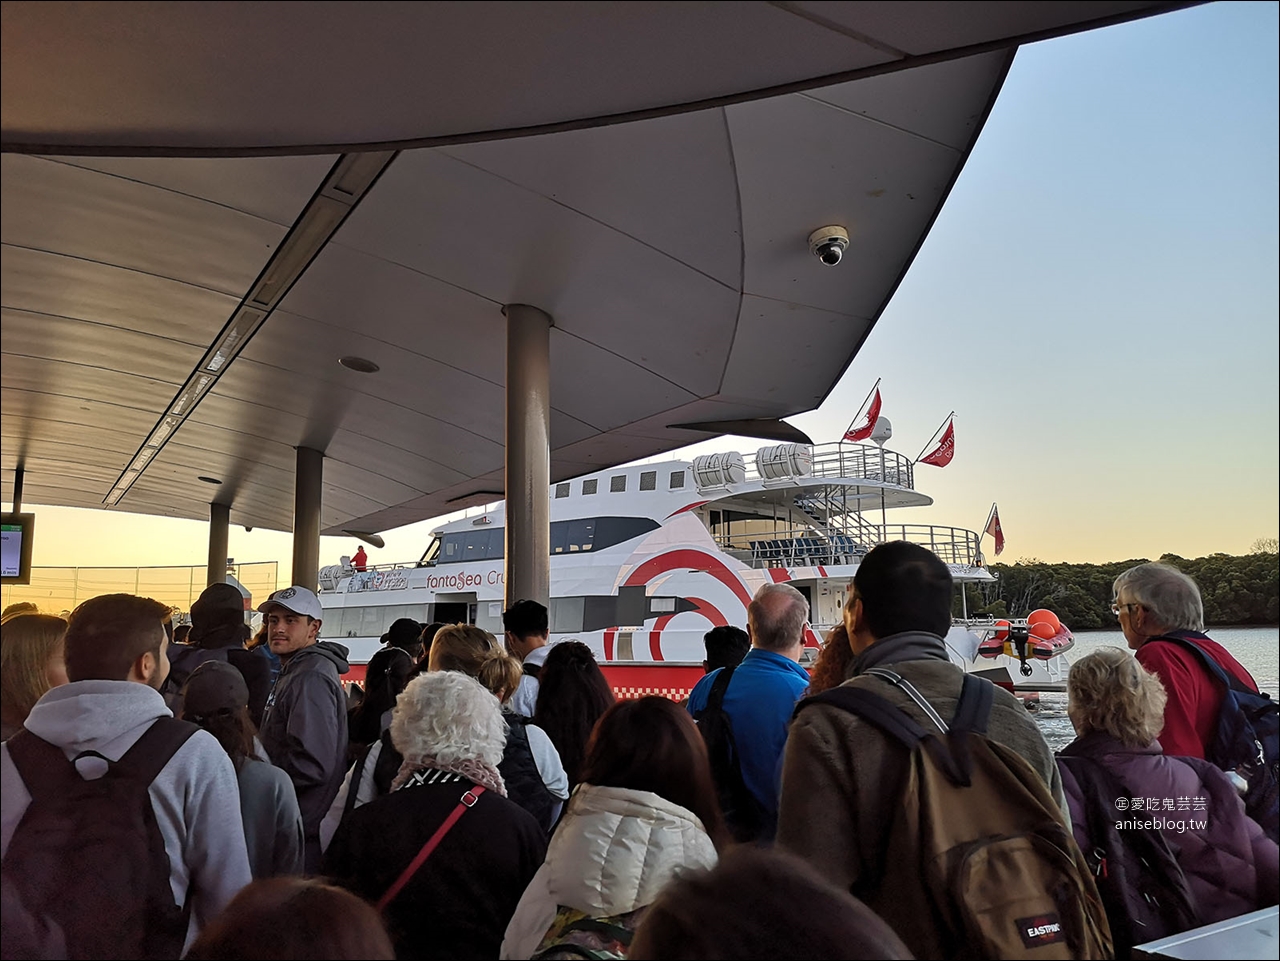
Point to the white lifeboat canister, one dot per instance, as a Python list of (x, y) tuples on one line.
[(784, 461), (719, 470)]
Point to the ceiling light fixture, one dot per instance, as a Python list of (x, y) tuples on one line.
[(360, 365), (162, 432), (208, 480), (347, 181), (244, 326)]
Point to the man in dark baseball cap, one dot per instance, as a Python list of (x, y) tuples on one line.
[(218, 633)]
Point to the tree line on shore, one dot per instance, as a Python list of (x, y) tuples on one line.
[(1237, 589)]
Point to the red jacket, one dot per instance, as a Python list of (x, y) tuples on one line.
[(1191, 713)]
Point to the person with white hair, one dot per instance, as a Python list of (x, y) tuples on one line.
[(758, 696), (445, 855), (1162, 616)]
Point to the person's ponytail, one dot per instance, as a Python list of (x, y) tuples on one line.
[(500, 673)]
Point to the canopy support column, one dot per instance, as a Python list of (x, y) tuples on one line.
[(308, 476), (528, 455), (219, 521)]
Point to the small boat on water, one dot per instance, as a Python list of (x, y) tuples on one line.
[(645, 559), (1041, 636)]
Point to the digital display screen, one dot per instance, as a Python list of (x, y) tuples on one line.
[(11, 549), (16, 532)]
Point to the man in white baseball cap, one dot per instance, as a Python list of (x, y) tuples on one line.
[(304, 728)]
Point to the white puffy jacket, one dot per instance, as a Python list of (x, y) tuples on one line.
[(613, 852)]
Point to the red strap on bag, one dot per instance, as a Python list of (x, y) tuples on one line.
[(468, 800)]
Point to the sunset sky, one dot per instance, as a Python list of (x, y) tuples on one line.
[(1098, 302)]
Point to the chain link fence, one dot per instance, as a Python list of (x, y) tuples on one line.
[(57, 590)]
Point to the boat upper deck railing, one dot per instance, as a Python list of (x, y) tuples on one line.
[(863, 461), (806, 547)]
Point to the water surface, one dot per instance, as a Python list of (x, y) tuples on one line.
[(1256, 648)]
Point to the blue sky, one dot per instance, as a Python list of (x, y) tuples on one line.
[(1100, 299), (1100, 303)]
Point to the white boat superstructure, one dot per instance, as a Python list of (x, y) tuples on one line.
[(645, 559)]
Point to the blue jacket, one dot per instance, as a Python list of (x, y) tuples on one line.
[(759, 701)]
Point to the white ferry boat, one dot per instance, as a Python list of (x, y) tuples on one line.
[(645, 559)]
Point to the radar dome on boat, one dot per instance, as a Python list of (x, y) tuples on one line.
[(883, 431), (784, 461), (719, 470)]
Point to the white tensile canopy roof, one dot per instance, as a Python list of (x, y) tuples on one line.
[(205, 206)]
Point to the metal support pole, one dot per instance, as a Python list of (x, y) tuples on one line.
[(19, 473), (308, 476), (528, 466), (219, 521)]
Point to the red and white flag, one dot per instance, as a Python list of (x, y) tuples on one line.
[(869, 425), (993, 528), (941, 455)]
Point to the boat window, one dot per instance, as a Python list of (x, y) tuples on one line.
[(580, 534), (597, 533), (480, 545), (370, 622), (567, 537), (677, 480), (431, 554), (589, 486), (616, 530), (484, 545), (648, 480), (566, 614), (562, 490), (618, 484), (346, 622)]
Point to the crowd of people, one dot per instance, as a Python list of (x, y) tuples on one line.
[(489, 798)]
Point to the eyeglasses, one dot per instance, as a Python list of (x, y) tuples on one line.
[(1117, 608)]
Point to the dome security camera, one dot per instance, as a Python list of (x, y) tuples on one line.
[(828, 244)]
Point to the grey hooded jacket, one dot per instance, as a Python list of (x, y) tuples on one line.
[(304, 731), (195, 797)]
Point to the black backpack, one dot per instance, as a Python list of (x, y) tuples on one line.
[(1246, 740), (182, 664), (1143, 888), (253, 667), (519, 770), (743, 814), (87, 861)]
